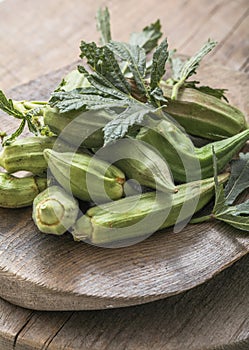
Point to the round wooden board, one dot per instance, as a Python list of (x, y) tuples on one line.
[(45, 272), (212, 316)]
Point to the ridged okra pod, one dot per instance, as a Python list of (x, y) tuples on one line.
[(140, 162), (100, 225), (186, 161), (86, 177), (204, 115), (78, 128), (27, 154), (54, 210), (19, 192)]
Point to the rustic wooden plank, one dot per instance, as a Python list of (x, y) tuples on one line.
[(219, 24), (209, 316), (12, 320), (233, 49), (43, 326), (52, 39)]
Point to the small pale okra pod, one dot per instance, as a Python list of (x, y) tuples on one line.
[(88, 178), (117, 221), (54, 210), (19, 192)]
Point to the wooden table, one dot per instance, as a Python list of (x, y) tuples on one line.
[(38, 38)]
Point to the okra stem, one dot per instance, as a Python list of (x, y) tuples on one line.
[(176, 88), (201, 219)]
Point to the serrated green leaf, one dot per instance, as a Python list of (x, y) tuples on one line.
[(237, 215), (160, 57), (218, 93), (119, 126), (7, 106), (239, 179), (103, 25), (176, 64), (84, 99), (157, 94), (136, 61), (190, 66), (106, 69), (148, 38), (15, 134), (232, 216)]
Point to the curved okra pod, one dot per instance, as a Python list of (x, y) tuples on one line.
[(183, 158)]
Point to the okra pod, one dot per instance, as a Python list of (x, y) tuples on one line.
[(118, 220), (19, 192), (139, 162), (27, 154), (186, 161), (88, 178), (204, 115), (54, 210)]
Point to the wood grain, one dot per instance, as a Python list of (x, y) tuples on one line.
[(46, 35), (31, 263), (212, 316)]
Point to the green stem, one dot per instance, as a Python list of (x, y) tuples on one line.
[(176, 88), (201, 219)]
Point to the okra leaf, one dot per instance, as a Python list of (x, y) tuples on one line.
[(236, 216), (176, 64), (190, 66), (103, 25), (239, 179), (148, 38), (84, 99), (107, 76), (219, 93), (7, 106), (159, 59), (135, 58), (119, 126), (15, 134), (73, 80)]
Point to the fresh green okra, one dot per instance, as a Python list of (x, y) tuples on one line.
[(204, 115), (27, 154), (54, 210), (186, 162), (78, 128), (19, 192), (139, 162), (88, 178), (100, 225)]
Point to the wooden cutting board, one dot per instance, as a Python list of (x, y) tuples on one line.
[(45, 272)]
